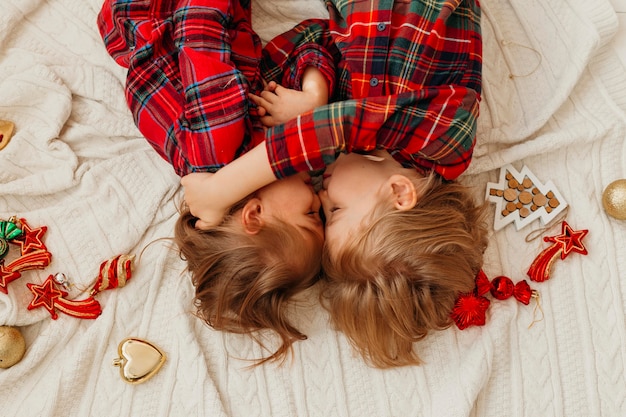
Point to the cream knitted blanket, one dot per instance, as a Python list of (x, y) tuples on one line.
[(554, 100)]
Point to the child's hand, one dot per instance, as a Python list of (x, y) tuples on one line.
[(278, 104), (210, 196), (203, 199)]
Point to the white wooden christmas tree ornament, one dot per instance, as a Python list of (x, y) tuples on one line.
[(521, 198)]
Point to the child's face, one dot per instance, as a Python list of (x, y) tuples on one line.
[(294, 201), (353, 186)]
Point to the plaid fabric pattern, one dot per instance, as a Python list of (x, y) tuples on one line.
[(407, 79), (191, 64)]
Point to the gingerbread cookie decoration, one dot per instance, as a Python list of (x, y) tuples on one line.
[(521, 198)]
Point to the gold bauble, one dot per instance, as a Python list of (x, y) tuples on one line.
[(12, 346), (614, 199), (6, 131)]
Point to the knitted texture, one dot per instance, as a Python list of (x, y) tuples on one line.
[(554, 99)]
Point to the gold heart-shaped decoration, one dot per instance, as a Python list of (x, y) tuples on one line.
[(139, 360), (6, 131)]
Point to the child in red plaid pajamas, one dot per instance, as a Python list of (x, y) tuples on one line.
[(191, 65), (403, 238)]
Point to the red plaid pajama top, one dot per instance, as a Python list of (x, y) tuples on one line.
[(407, 79), (409, 72)]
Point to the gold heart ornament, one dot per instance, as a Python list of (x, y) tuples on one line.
[(139, 360)]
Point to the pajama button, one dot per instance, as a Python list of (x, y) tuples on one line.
[(381, 27), (373, 81)]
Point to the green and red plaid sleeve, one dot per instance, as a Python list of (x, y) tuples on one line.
[(408, 80), (191, 64), (433, 128), (306, 45)]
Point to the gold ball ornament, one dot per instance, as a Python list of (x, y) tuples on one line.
[(12, 346), (614, 199)]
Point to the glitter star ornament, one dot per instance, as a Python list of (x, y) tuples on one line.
[(521, 198), (49, 296), (33, 253), (568, 241), (31, 239), (114, 273)]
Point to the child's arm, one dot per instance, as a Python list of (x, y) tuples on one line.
[(278, 104), (433, 128), (209, 196)]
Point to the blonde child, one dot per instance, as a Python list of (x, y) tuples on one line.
[(191, 65), (403, 237)]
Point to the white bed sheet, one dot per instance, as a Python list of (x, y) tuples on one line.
[(554, 100)]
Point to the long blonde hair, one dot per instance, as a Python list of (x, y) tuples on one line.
[(387, 287), (244, 282)]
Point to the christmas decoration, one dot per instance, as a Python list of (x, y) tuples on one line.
[(138, 360), (33, 253), (49, 296), (6, 131), (470, 308), (567, 242), (521, 198), (30, 240), (12, 346), (614, 199), (62, 280), (114, 273), (502, 288)]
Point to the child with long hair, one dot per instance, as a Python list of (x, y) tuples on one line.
[(191, 65), (403, 237)]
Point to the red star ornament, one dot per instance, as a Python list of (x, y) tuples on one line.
[(46, 295), (31, 238), (50, 297), (470, 310), (568, 241)]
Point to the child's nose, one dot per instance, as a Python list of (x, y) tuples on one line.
[(317, 203), (325, 200)]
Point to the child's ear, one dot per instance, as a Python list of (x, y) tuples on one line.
[(252, 216), (404, 193)]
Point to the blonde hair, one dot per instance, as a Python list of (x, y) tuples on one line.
[(243, 282), (387, 287)]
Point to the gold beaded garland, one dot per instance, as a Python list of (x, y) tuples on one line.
[(12, 346), (614, 199)]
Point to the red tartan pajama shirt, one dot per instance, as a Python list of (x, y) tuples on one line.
[(191, 64), (407, 79)]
